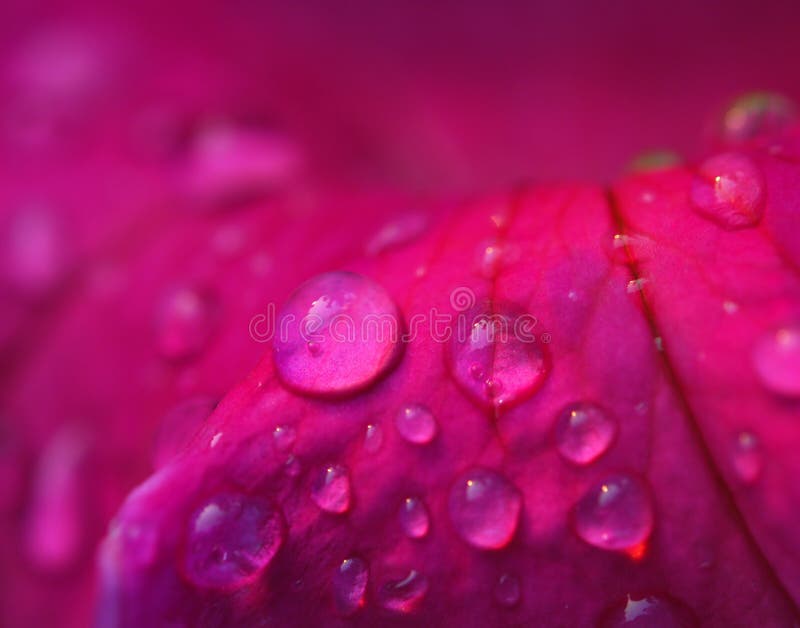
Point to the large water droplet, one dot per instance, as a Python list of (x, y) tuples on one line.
[(484, 508), (330, 489), (507, 591), (398, 232), (615, 514), (350, 585), (496, 359), (776, 358), (232, 538), (416, 424), (354, 325), (747, 457), (414, 518), (729, 190), (185, 322), (757, 115), (404, 596), (584, 432), (648, 611), (179, 425)]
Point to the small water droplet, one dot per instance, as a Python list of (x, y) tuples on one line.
[(636, 285), (730, 307), (292, 467), (179, 425), (729, 190), (776, 358), (416, 424), (350, 585), (356, 326), (373, 439), (490, 259), (507, 591), (215, 440), (659, 343), (414, 518), (398, 232), (615, 514), (232, 538), (495, 358), (284, 437), (757, 115), (185, 322), (584, 432), (406, 595), (648, 611), (484, 508), (747, 457), (331, 489), (655, 160)]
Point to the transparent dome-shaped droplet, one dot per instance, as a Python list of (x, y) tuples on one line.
[(330, 489), (584, 432), (414, 518), (648, 611), (284, 437), (615, 514), (178, 427), (748, 459), (185, 322), (404, 595), (354, 325), (757, 115), (398, 232), (729, 190), (231, 539), (373, 438), (484, 508), (496, 358), (416, 424), (776, 358), (507, 591), (350, 585)]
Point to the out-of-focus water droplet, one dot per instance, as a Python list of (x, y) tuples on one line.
[(416, 424), (730, 307), (776, 358), (185, 322), (292, 467), (757, 115), (179, 425), (636, 285), (654, 160), (373, 438), (495, 358), (484, 508), (406, 595), (748, 459), (729, 190), (215, 440), (231, 539), (584, 432), (490, 259), (398, 232), (615, 514), (414, 518), (284, 437), (350, 585), (330, 489), (507, 591), (648, 611), (354, 325)]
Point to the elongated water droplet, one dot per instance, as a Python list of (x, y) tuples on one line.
[(416, 424), (350, 585), (406, 595), (179, 425), (414, 518), (584, 432), (648, 611), (615, 514), (398, 232), (776, 358), (507, 591), (729, 190), (747, 457), (292, 467), (331, 489), (284, 437), (185, 322), (355, 326), (373, 438), (484, 508), (496, 358), (757, 115), (232, 538)]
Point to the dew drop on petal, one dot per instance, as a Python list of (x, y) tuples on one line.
[(292, 467), (284, 437), (330, 490), (406, 595), (373, 438), (185, 322), (776, 358), (416, 424), (484, 508), (648, 611), (398, 232), (232, 538), (747, 457), (414, 518), (757, 115), (496, 358), (507, 591), (729, 190), (615, 514), (354, 326), (350, 585), (584, 432)]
